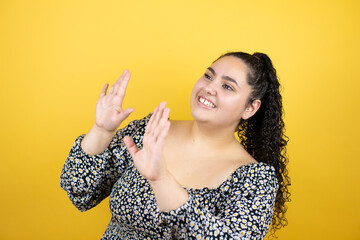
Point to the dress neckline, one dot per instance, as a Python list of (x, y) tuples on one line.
[(230, 177)]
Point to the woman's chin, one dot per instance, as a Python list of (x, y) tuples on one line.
[(201, 114)]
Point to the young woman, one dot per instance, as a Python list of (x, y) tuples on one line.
[(189, 179)]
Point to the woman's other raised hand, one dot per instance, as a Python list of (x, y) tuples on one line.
[(109, 113), (108, 116), (149, 160)]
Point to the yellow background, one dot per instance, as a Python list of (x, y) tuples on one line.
[(55, 56)]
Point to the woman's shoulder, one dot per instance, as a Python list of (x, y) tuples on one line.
[(258, 175), (257, 167)]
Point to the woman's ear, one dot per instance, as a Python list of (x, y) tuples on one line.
[(251, 109)]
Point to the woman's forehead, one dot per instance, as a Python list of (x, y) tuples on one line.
[(230, 66)]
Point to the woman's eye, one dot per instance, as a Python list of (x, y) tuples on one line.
[(207, 76), (227, 87)]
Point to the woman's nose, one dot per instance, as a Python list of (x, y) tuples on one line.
[(211, 88)]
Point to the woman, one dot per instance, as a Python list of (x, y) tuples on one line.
[(189, 179)]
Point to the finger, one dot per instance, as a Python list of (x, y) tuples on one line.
[(121, 89), (131, 146), (161, 123), (157, 116), (163, 133), (151, 121), (114, 88), (125, 114), (103, 90), (111, 90), (120, 79)]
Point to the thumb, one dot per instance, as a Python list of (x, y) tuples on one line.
[(131, 146), (124, 114)]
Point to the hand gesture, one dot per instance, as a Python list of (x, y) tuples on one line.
[(109, 113), (149, 160)]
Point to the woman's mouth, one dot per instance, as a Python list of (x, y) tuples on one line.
[(206, 102)]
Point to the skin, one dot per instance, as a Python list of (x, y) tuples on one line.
[(108, 116), (211, 149)]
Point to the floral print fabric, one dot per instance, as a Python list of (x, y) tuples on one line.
[(240, 208)]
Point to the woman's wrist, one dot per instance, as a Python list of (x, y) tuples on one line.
[(96, 140), (101, 131), (169, 193)]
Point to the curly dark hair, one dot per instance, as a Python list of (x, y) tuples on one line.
[(262, 135)]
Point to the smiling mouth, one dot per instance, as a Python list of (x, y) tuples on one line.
[(206, 102)]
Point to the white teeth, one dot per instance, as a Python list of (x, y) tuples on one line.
[(206, 102)]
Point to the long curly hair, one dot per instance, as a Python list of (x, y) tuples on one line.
[(262, 135)]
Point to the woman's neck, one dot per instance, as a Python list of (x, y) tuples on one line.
[(211, 136)]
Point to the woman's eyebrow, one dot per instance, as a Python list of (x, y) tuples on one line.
[(224, 77), (230, 79), (211, 70)]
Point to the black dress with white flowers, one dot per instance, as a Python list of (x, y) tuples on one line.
[(240, 208)]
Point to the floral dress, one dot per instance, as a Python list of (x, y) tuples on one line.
[(240, 208)]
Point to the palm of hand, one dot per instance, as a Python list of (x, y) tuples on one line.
[(108, 112), (149, 160)]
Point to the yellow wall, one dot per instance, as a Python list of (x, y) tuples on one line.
[(56, 55)]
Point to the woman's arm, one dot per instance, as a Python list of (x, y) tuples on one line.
[(169, 194), (245, 212), (149, 161), (108, 116), (96, 140), (89, 171), (88, 179)]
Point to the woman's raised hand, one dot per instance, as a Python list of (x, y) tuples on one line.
[(149, 160), (109, 113)]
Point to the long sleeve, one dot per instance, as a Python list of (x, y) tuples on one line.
[(245, 208), (89, 179)]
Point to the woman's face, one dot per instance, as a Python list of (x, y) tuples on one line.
[(221, 94)]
